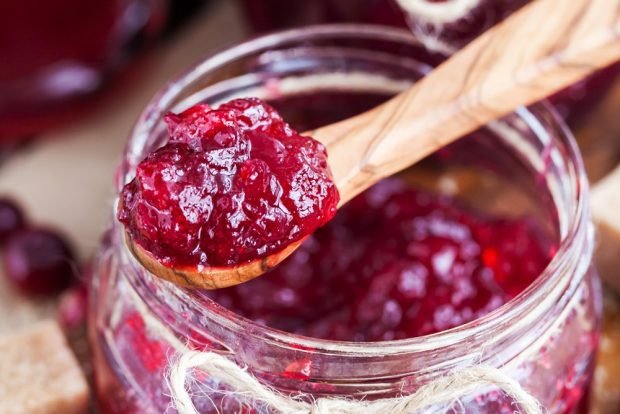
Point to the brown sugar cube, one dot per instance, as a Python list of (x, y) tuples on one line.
[(18, 311), (606, 211), (602, 159), (606, 390), (39, 374)]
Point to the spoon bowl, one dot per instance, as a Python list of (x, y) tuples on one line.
[(209, 277)]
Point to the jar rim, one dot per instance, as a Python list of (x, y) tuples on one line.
[(578, 218)]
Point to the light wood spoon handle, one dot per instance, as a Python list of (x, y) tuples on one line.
[(543, 48)]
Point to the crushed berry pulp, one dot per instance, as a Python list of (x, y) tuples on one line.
[(232, 185), (395, 263)]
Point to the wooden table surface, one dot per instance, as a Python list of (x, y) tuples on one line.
[(65, 179)]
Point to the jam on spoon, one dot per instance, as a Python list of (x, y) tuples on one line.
[(233, 185), (445, 105)]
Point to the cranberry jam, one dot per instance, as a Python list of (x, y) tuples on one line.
[(237, 183), (480, 255), (232, 185), (395, 263)]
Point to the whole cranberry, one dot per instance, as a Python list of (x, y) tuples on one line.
[(11, 218), (38, 262)]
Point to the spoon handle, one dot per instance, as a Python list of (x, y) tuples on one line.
[(543, 48)]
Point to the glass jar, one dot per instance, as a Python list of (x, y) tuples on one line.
[(524, 165), (57, 52)]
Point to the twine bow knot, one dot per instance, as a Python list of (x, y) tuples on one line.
[(445, 390)]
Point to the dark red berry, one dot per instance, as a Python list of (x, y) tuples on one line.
[(11, 218), (38, 262), (232, 185)]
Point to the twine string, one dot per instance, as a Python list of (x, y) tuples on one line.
[(445, 390), (433, 17), (438, 13)]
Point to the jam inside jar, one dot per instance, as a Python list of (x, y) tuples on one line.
[(517, 184)]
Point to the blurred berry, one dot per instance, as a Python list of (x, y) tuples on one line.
[(38, 262), (11, 218)]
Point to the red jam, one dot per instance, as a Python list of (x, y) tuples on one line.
[(395, 263), (232, 184)]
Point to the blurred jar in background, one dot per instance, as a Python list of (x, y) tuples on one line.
[(442, 25), (269, 15), (55, 54)]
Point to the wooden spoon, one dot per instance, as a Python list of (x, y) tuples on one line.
[(543, 48)]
